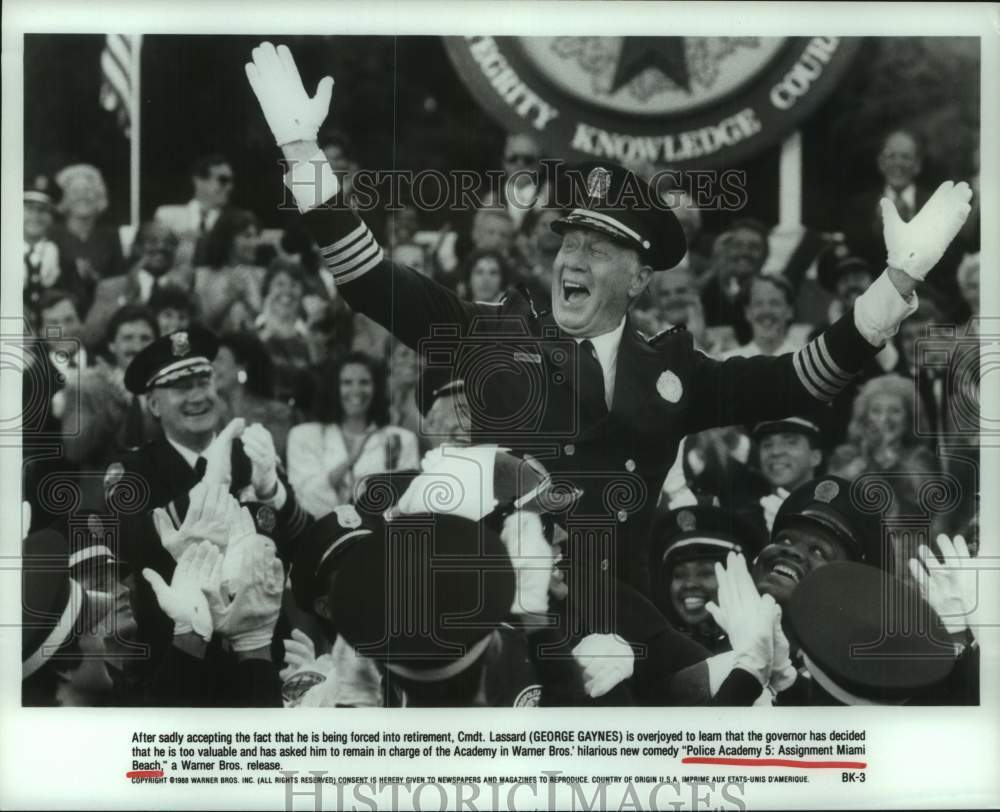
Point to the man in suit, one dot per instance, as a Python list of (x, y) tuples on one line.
[(157, 251), (212, 182), (600, 405), (899, 163), (175, 375)]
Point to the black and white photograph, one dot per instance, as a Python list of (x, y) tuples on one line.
[(365, 370)]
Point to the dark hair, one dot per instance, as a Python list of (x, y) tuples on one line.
[(250, 353), (204, 164), (170, 297), (779, 282), (327, 404), (219, 241), (53, 296), (336, 138), (39, 690), (279, 266), (127, 314), (475, 256)]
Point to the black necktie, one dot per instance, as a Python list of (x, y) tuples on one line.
[(199, 467), (203, 224), (591, 380)]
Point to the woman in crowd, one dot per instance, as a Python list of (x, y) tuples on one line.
[(244, 379), (881, 434), (350, 438), (281, 328), (92, 246), (486, 276), (231, 271)]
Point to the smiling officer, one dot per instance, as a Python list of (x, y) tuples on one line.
[(595, 401)]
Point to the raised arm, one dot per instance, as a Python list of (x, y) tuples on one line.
[(405, 302), (746, 390)]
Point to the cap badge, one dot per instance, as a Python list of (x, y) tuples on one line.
[(827, 491), (529, 697), (686, 521), (347, 517), (598, 182), (266, 519), (669, 387), (114, 474), (179, 344)]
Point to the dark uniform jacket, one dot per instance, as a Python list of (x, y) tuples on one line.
[(156, 475), (520, 379)]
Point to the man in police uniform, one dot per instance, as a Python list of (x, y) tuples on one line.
[(580, 388), (175, 374)]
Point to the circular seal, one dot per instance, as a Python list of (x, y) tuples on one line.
[(347, 517), (295, 687), (686, 521), (681, 102), (598, 183), (180, 345), (265, 518), (827, 491), (669, 387), (528, 697)]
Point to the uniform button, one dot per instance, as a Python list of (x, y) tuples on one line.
[(569, 449), (622, 515), (630, 465)]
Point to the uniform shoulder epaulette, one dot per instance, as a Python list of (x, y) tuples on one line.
[(678, 328)]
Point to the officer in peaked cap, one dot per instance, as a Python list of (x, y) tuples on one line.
[(866, 638), (818, 524), (688, 542), (175, 374), (607, 405)]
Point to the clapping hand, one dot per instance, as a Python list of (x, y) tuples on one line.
[(209, 517), (532, 558), (248, 618), (745, 616), (259, 447), (606, 660), (917, 246), (300, 654), (950, 588), (184, 600), (218, 455)]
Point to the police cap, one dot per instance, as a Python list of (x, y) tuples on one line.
[(826, 502), (704, 531), (172, 358), (788, 425), (321, 548), (867, 637), (426, 602), (610, 199)]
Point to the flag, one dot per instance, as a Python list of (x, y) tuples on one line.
[(117, 62)]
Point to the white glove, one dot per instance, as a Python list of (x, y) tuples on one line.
[(248, 619), (917, 246), (950, 588), (259, 447), (300, 654), (533, 560), (783, 673), (184, 601), (290, 113), (218, 455), (606, 660), (208, 518), (237, 566), (745, 616)]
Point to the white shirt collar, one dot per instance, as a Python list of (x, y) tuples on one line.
[(190, 457), (908, 195)]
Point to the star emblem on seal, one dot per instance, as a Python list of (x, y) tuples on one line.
[(598, 182), (666, 54)]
